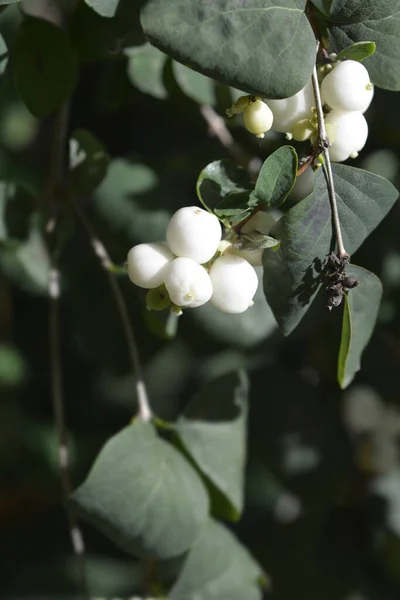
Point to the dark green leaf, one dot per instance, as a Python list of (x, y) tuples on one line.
[(145, 70), (323, 5), (195, 85), (218, 567), (353, 21), (3, 55), (253, 47), (359, 316), (143, 494), (213, 432), (88, 162), (45, 66), (292, 275), (235, 204), (276, 178), (220, 178), (359, 51), (105, 8)]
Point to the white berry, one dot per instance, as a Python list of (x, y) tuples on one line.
[(148, 263), (347, 87), (188, 283), (288, 111), (194, 233), (234, 282), (350, 134), (258, 118)]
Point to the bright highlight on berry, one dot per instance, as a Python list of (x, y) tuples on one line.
[(188, 283), (347, 87), (147, 264), (289, 111), (234, 282), (350, 132)]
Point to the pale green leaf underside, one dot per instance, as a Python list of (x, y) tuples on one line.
[(143, 495), (252, 46), (292, 274), (105, 8), (353, 21), (145, 70), (218, 567), (359, 317)]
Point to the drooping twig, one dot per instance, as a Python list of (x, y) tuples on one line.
[(217, 127), (324, 144), (144, 412)]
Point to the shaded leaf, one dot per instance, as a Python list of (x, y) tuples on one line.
[(322, 5), (352, 21), (218, 567), (88, 162), (292, 275), (145, 70), (359, 51), (45, 65), (359, 317), (195, 85), (220, 179), (3, 55), (276, 178), (213, 432), (235, 204), (256, 241), (143, 494), (105, 8), (252, 47)]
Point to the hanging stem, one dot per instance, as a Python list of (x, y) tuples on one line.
[(144, 412), (324, 144)]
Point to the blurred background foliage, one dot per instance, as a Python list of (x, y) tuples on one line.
[(322, 508)]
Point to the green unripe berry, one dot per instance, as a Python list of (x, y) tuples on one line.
[(258, 118)]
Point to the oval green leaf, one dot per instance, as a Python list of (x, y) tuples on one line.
[(105, 8), (359, 51), (45, 65), (293, 274), (276, 178), (220, 179), (143, 495), (360, 311), (251, 46)]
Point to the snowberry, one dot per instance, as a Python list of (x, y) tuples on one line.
[(188, 283), (234, 283), (350, 134), (258, 118), (262, 222), (194, 233), (347, 87), (239, 106), (289, 111), (147, 264)]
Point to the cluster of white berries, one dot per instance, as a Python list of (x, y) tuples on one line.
[(346, 91), (193, 266)]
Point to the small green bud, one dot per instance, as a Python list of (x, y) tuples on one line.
[(158, 299), (238, 107)]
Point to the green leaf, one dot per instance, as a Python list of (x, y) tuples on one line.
[(218, 567), (276, 178), (88, 162), (292, 275), (3, 55), (322, 5), (361, 307), (234, 204), (145, 70), (195, 85), (352, 21), (252, 46), (45, 65), (358, 51), (220, 179), (105, 8), (143, 495), (212, 430), (256, 241)]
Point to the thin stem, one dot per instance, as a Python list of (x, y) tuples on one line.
[(324, 145), (53, 187), (144, 412)]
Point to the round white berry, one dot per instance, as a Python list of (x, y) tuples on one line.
[(350, 134), (234, 282), (262, 222), (148, 263), (188, 283), (258, 118), (347, 87), (288, 111), (194, 233)]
